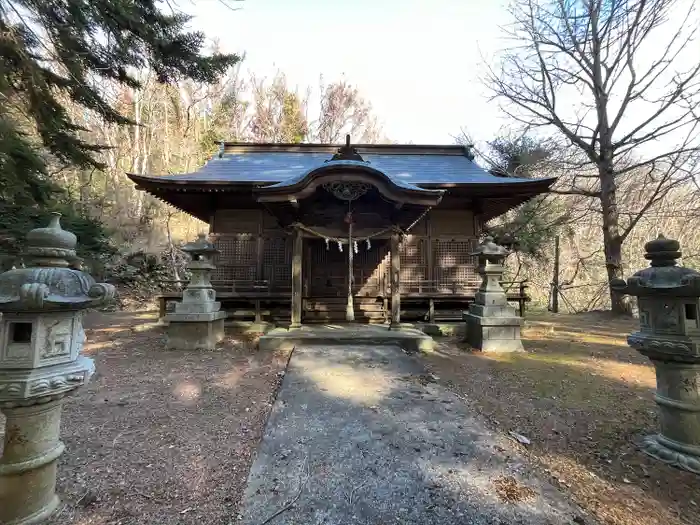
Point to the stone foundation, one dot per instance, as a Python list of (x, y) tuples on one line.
[(195, 335), (410, 339), (493, 334)]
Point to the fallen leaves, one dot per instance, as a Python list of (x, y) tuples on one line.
[(564, 403), (509, 490), (163, 437)]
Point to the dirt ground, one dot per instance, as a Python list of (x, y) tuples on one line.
[(582, 397), (162, 437)]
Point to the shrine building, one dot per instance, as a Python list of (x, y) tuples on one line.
[(367, 233)]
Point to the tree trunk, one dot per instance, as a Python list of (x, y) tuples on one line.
[(612, 241)]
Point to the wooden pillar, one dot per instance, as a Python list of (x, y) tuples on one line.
[(260, 252), (554, 303), (395, 279), (297, 283), (258, 313), (430, 254), (162, 307)]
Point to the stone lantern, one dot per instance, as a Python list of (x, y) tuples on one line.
[(669, 334), (197, 322), (41, 337), (492, 325)]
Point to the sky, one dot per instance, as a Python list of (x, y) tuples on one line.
[(417, 61)]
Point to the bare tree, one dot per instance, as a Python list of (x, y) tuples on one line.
[(608, 77), (343, 110), (279, 113)]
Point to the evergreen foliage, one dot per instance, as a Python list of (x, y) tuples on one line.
[(51, 49), (56, 52), (534, 224), (94, 244)]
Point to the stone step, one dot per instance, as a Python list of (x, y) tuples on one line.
[(320, 307), (340, 316)]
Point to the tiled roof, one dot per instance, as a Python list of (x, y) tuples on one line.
[(405, 169)]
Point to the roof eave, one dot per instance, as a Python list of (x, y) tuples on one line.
[(303, 186)]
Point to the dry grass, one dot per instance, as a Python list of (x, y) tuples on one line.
[(162, 437), (582, 397)]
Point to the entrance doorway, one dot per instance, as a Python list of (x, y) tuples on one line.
[(326, 268)]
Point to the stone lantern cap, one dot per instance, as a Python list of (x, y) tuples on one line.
[(202, 246), (489, 250), (48, 283), (664, 276)]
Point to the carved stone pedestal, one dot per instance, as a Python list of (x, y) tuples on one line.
[(494, 334), (186, 333), (28, 463), (678, 399), (491, 323)]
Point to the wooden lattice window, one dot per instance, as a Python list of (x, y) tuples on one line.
[(238, 273), (236, 260), (414, 265), (454, 267), (276, 250), (236, 249), (277, 261)]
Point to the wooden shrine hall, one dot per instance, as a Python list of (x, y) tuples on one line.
[(373, 233)]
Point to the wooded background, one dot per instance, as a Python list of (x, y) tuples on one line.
[(604, 95)]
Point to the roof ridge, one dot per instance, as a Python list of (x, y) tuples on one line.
[(395, 149)]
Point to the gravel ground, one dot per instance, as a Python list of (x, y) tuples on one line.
[(162, 437)]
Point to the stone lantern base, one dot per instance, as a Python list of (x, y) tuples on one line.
[(194, 331), (28, 465), (674, 454), (678, 401), (493, 333)]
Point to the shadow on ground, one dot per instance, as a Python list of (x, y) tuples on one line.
[(362, 435), (583, 398)]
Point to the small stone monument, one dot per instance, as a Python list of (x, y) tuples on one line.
[(197, 323), (41, 337), (669, 334), (492, 325)]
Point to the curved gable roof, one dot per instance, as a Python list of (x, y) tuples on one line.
[(350, 170)]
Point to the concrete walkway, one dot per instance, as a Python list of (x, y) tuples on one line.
[(359, 435)]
